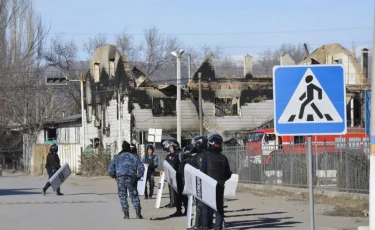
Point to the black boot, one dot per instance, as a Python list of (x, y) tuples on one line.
[(58, 192), (195, 228), (198, 219), (126, 214), (138, 214), (177, 214)]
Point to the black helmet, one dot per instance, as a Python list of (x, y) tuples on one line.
[(171, 143), (125, 146), (54, 148), (133, 148), (174, 143), (215, 142), (150, 146), (199, 142)]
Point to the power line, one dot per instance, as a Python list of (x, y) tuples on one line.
[(260, 46), (169, 65), (221, 33)]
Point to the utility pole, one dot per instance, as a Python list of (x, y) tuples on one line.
[(189, 65), (200, 105), (119, 116), (82, 114), (178, 102), (372, 142)]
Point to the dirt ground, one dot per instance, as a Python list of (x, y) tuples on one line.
[(253, 209), (343, 206)]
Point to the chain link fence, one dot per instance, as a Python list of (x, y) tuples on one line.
[(337, 166), (343, 166)]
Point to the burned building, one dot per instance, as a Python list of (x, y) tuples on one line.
[(108, 116), (232, 104)]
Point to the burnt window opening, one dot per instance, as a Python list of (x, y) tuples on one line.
[(227, 107), (338, 61), (112, 68), (162, 107), (97, 72)]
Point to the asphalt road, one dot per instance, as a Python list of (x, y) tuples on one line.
[(92, 203)]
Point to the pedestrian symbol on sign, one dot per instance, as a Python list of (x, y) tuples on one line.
[(311, 103), (309, 95)]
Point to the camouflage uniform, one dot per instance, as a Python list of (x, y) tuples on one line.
[(123, 167)]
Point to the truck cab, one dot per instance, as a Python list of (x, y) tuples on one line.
[(261, 142)]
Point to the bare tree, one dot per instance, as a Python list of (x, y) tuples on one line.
[(62, 57), (271, 57), (21, 38), (217, 50), (158, 50), (93, 43), (126, 44)]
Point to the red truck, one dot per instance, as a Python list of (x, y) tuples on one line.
[(264, 142)]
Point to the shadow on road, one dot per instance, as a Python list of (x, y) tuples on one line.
[(260, 223), (239, 210), (19, 191)]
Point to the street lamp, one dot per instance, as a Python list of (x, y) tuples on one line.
[(178, 102)]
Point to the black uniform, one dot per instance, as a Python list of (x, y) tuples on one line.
[(184, 158), (216, 166), (52, 165), (172, 159), (196, 162)]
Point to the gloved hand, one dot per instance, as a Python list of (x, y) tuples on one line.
[(135, 184), (134, 181)]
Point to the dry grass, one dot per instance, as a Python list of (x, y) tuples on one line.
[(344, 206)]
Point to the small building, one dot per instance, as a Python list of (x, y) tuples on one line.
[(63, 131), (356, 74)]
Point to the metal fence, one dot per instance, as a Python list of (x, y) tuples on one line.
[(343, 166)]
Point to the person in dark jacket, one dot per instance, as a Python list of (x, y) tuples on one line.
[(200, 148), (216, 166), (52, 165), (172, 158), (127, 169), (153, 163), (184, 157)]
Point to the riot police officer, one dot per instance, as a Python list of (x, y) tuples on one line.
[(127, 169), (153, 163), (52, 165), (184, 157), (200, 148), (172, 159), (216, 166)]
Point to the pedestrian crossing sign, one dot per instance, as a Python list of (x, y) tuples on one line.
[(309, 100)]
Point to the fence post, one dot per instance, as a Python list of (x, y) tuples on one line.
[(325, 163), (292, 165), (261, 163), (346, 168)]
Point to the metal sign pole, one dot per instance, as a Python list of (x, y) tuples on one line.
[(310, 178)]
